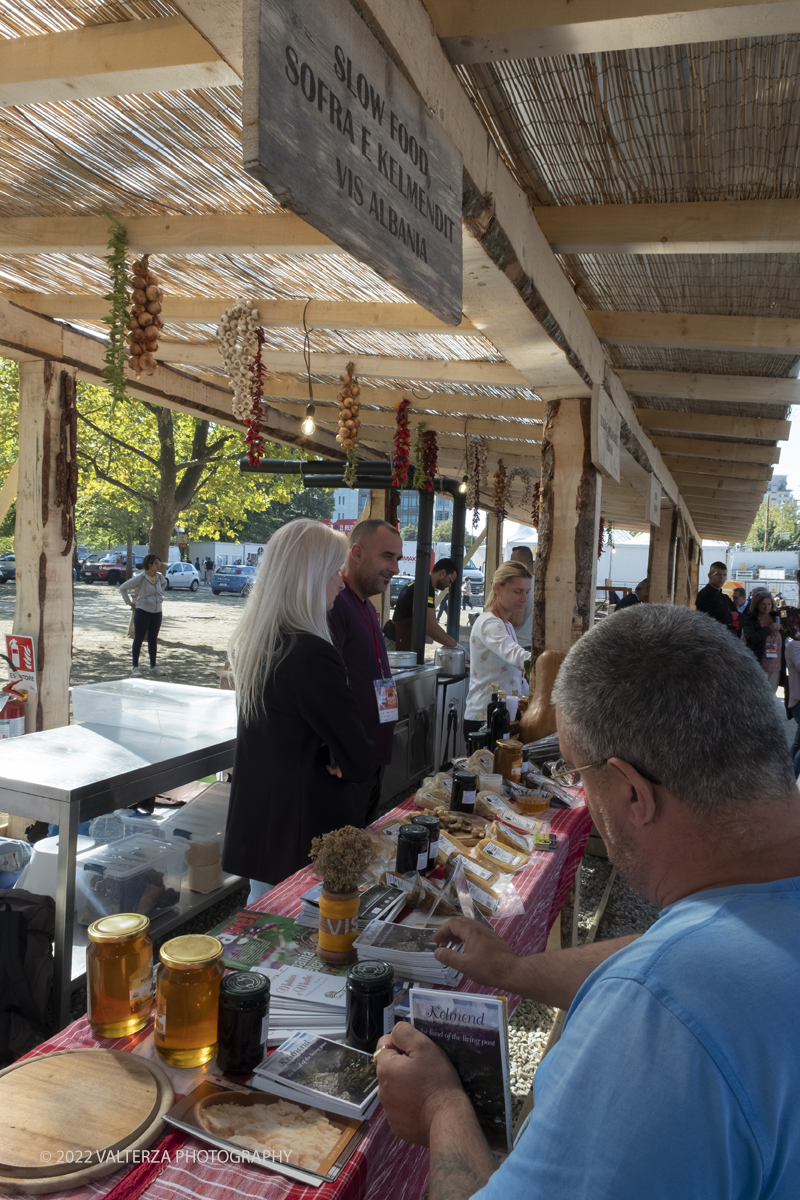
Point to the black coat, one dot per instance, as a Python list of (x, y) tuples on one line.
[(755, 635), (281, 795)]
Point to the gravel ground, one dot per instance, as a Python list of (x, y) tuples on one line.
[(530, 1026)]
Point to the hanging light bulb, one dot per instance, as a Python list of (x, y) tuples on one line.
[(462, 487), (309, 424)]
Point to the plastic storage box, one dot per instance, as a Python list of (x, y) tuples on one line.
[(136, 874), (171, 709), (202, 820)]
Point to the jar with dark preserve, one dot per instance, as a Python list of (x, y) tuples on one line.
[(412, 849), (370, 1003), (243, 1021), (478, 740), (432, 825), (119, 974), (465, 791)]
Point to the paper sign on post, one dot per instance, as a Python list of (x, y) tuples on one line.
[(21, 649), (605, 434), (654, 514)]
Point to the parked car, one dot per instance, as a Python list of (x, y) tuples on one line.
[(111, 568), (232, 579), (8, 568), (396, 586), (182, 575)]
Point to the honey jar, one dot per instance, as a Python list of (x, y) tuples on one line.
[(119, 974), (187, 999)]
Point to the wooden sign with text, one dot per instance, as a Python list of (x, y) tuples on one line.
[(340, 137), (654, 515), (606, 427)]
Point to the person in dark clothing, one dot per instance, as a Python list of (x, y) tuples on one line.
[(372, 561), (639, 595), (302, 754), (762, 632), (399, 628), (712, 600)]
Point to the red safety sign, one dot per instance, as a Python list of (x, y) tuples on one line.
[(21, 649)]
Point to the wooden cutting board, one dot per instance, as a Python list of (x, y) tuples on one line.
[(65, 1113)]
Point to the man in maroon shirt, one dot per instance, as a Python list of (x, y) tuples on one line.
[(373, 559)]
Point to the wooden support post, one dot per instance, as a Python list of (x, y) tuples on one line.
[(494, 548), (694, 559), (565, 571), (382, 506), (683, 583), (44, 534), (658, 560)]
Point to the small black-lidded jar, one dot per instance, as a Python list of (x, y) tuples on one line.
[(370, 1004), (412, 849), (432, 825), (477, 740), (464, 793), (243, 1021)]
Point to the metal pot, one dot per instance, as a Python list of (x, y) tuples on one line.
[(401, 658), (451, 659)]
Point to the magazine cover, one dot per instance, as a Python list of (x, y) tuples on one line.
[(286, 1136), (268, 941), (402, 939), (473, 1032), (306, 1061)]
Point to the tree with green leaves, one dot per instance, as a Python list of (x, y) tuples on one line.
[(9, 407), (409, 533), (314, 503), (784, 526), (443, 532), (141, 457)]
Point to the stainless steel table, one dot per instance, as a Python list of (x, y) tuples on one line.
[(78, 772)]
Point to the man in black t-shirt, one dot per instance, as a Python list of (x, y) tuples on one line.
[(442, 575), (712, 600)]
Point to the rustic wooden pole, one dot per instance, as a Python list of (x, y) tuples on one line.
[(44, 533), (695, 552), (565, 571), (382, 506), (494, 548), (658, 559)]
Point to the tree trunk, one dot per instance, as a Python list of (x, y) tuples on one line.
[(173, 496)]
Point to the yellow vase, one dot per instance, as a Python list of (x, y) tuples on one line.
[(338, 926)]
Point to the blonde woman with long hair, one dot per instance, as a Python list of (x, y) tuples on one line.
[(301, 749), (495, 655)]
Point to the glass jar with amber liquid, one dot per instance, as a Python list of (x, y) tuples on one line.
[(119, 974), (187, 999)]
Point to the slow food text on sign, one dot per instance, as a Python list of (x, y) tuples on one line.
[(340, 137)]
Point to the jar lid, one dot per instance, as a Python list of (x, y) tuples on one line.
[(118, 927), (426, 819), (370, 976), (245, 989), (191, 950), (412, 833), (467, 780)]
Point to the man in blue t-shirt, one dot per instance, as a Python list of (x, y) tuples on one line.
[(675, 1077)]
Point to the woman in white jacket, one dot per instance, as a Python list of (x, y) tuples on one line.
[(144, 594), (495, 655)]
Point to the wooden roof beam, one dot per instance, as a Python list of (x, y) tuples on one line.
[(772, 335), (717, 483), (712, 466), (700, 227), (439, 370), (734, 427), (121, 59), (474, 32), (483, 426), (728, 389), (252, 233), (284, 313), (734, 452), (24, 335), (292, 388)]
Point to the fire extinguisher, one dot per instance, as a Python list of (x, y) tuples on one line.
[(12, 710)]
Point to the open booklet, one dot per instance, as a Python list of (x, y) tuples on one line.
[(293, 1138)]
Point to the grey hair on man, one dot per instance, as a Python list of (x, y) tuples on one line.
[(668, 690)]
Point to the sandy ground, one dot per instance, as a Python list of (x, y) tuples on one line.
[(193, 640)]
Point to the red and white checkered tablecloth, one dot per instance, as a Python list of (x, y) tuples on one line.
[(382, 1168)]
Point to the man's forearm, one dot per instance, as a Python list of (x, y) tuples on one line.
[(554, 979), (460, 1159)]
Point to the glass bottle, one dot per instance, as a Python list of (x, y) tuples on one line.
[(119, 974), (187, 999), (492, 705), (243, 1021), (500, 724), (370, 1004)]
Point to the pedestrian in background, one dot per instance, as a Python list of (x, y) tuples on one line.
[(144, 595), (209, 564), (466, 594), (764, 636), (712, 600), (639, 595)]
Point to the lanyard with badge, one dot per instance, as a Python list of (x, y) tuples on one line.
[(385, 690)]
